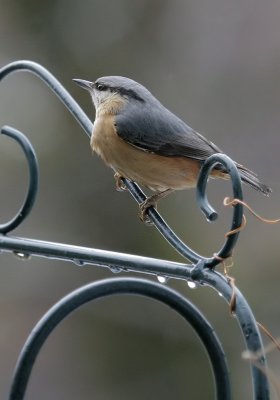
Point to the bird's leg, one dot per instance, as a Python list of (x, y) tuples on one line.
[(120, 186), (151, 202)]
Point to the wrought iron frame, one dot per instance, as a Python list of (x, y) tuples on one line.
[(201, 270)]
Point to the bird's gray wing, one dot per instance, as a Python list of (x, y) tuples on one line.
[(158, 130)]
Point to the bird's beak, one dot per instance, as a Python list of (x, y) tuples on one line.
[(84, 84)]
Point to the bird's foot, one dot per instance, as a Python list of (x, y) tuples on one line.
[(143, 208), (151, 202), (120, 185)]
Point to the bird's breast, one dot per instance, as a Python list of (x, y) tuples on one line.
[(146, 168)]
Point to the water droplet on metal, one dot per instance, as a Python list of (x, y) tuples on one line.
[(162, 279), (21, 255), (78, 262), (115, 269), (191, 284)]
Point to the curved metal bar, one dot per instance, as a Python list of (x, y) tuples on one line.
[(86, 124), (33, 179), (249, 328), (129, 286), (163, 227), (209, 211), (54, 85), (118, 262)]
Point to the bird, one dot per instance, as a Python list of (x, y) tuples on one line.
[(143, 141)]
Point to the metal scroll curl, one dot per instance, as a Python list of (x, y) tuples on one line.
[(117, 286), (209, 211), (28, 203), (133, 188)]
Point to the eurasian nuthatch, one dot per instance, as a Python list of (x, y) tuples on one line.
[(144, 142)]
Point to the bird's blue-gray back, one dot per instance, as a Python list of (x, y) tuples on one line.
[(158, 130)]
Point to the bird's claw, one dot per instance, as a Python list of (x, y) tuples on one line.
[(120, 185), (143, 208)]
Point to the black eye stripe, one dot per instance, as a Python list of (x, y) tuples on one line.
[(130, 93), (123, 91)]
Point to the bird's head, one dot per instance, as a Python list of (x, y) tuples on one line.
[(110, 93)]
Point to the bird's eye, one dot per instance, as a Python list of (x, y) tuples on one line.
[(101, 87)]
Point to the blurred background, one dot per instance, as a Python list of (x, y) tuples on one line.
[(216, 64)]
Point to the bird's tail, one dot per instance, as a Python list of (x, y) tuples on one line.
[(251, 179)]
